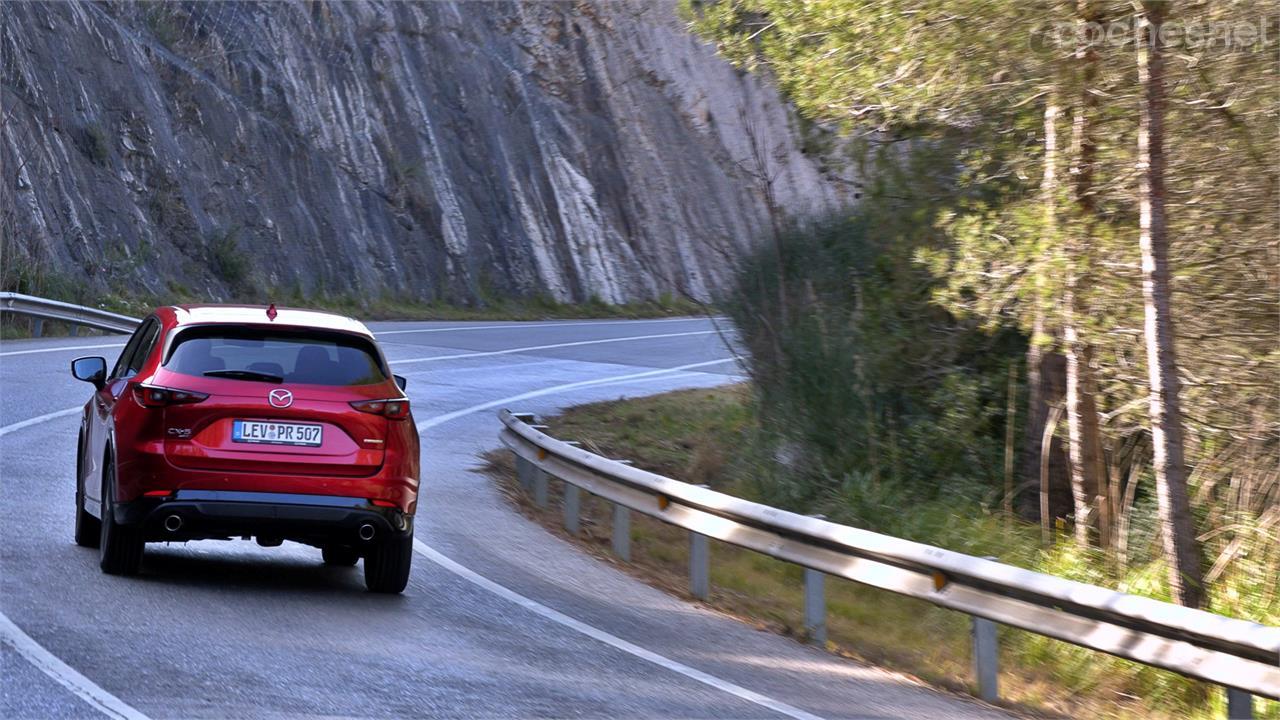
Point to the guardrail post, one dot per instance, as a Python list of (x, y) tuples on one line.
[(524, 473), (815, 606), (572, 507), (525, 468), (74, 330), (699, 565), (622, 531), (1239, 704), (986, 659), (539, 487), (37, 327)]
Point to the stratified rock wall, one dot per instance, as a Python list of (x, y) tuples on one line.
[(435, 150)]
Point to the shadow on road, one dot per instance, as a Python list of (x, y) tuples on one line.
[(287, 573)]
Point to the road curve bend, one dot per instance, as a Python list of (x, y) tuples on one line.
[(500, 619)]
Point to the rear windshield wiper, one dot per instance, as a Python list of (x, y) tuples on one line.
[(245, 375)]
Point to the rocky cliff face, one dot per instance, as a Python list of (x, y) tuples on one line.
[(435, 150)]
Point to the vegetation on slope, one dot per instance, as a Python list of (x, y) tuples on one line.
[(1059, 294), (715, 437), (1053, 314)]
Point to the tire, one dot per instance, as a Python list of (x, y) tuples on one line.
[(120, 546), (386, 567), (88, 527), (339, 555)]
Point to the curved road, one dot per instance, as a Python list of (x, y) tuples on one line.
[(500, 619)]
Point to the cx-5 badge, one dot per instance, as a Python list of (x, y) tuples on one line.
[(280, 398)]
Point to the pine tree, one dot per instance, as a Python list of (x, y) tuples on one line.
[(1181, 551)]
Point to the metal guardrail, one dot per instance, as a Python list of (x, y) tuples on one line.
[(1243, 656), (74, 315)]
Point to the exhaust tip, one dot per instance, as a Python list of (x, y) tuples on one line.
[(173, 523), (366, 532)]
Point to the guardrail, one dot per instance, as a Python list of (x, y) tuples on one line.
[(1240, 655), (73, 315)]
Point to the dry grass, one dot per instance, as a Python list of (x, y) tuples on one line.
[(699, 436)]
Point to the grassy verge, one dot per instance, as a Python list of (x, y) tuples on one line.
[(503, 309), (704, 436)]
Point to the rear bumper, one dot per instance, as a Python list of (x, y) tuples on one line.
[(312, 519), (144, 467)]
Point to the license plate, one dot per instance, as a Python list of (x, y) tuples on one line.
[(275, 433)]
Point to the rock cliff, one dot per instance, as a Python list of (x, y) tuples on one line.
[(434, 150)]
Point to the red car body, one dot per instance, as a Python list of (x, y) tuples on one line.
[(324, 453)]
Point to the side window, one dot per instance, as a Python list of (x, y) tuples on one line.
[(130, 348), (145, 347), (127, 365)]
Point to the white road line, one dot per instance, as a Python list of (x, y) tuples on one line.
[(572, 623), (397, 332), (446, 417), (439, 419), (537, 325), (577, 343), (607, 638), (112, 706), (65, 675), (60, 349), (39, 419)]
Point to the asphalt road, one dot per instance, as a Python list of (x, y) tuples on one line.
[(500, 619)]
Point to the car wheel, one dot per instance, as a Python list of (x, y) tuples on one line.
[(339, 555), (386, 567), (88, 529), (120, 546)]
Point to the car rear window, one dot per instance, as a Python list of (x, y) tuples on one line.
[(296, 356)]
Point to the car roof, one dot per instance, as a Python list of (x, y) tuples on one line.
[(184, 315)]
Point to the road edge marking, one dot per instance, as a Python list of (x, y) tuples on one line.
[(108, 704), (534, 324), (575, 343), (446, 417), (39, 419), (610, 639), (65, 675), (59, 349), (573, 623)]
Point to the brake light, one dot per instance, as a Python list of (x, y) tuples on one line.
[(394, 408), (154, 397)]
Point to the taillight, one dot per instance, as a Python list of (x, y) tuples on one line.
[(394, 408), (154, 397)]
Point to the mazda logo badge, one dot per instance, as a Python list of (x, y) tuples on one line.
[(280, 398)]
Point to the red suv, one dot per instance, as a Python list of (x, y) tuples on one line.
[(223, 421)]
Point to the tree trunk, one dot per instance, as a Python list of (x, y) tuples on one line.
[(1180, 547), (1037, 404), (1010, 423), (1045, 387), (1050, 427), (1084, 446)]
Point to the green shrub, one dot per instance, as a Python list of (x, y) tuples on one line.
[(863, 377), (227, 260), (97, 144)]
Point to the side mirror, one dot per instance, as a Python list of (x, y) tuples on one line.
[(401, 381), (90, 370)]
